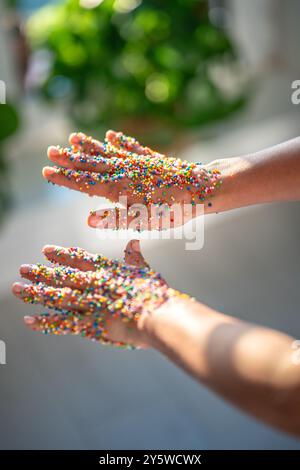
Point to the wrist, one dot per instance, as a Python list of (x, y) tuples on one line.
[(154, 324), (232, 193)]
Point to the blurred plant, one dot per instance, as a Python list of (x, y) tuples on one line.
[(8, 126), (134, 59)]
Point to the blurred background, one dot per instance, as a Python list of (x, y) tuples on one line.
[(198, 79)]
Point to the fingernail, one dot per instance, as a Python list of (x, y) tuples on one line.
[(48, 249), (25, 268), (93, 220), (73, 136), (52, 150), (29, 320), (49, 171), (98, 219), (77, 137), (17, 288), (135, 245)]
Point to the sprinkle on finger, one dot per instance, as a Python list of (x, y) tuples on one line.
[(77, 258), (130, 144)]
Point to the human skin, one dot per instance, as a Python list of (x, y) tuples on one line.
[(270, 175), (93, 296), (266, 176), (121, 167), (250, 366)]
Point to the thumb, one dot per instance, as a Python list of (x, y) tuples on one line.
[(134, 256)]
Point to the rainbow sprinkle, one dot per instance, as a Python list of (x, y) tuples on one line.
[(87, 300), (146, 174)]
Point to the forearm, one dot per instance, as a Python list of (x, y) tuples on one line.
[(248, 365), (270, 175)]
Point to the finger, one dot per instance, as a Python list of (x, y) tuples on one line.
[(117, 140), (114, 332), (133, 255), (130, 144), (58, 276), (141, 179), (80, 161), (69, 323), (78, 180), (108, 271), (77, 258), (63, 298), (64, 276), (58, 324), (91, 183), (139, 217), (86, 144), (135, 217)]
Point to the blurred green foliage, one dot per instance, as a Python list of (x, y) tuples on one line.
[(133, 59), (8, 125), (8, 121)]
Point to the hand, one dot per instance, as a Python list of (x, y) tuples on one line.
[(100, 299), (122, 167)]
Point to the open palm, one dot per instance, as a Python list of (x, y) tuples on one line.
[(101, 299), (120, 167)]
